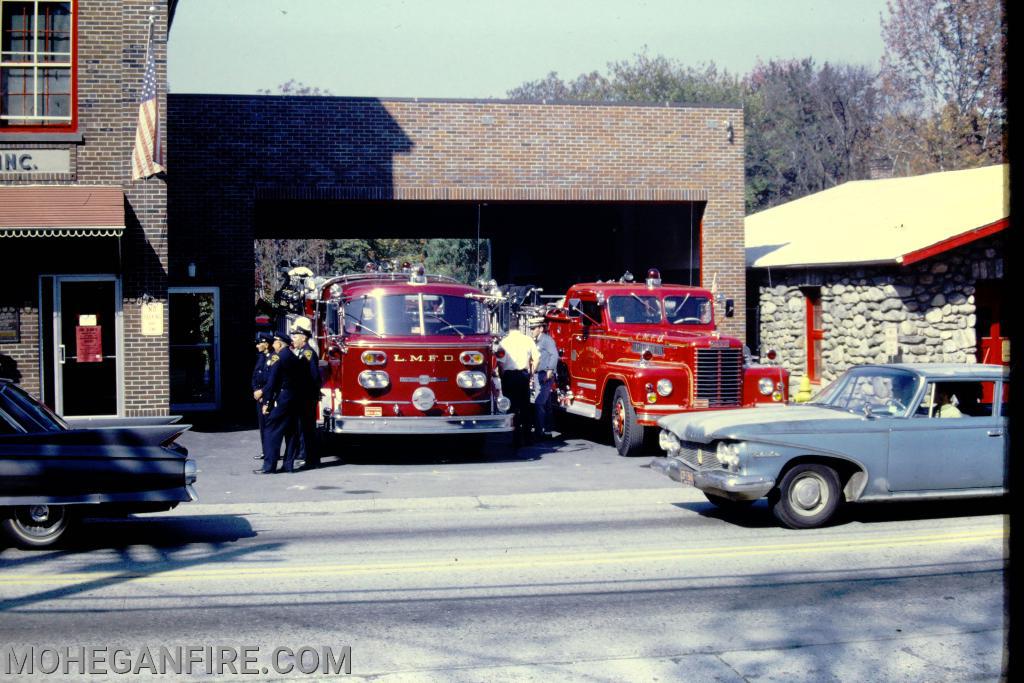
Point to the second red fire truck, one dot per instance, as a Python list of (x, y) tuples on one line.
[(633, 352)]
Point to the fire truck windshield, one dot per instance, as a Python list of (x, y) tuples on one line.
[(634, 309), (694, 310), (416, 314)]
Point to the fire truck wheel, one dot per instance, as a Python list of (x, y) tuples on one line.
[(627, 435)]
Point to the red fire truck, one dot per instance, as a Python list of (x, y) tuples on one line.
[(405, 353), (643, 350)]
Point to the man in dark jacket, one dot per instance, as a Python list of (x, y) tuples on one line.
[(282, 397), (260, 372), (306, 445)]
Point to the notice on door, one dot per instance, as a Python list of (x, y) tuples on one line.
[(89, 342)]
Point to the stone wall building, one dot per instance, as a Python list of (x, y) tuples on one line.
[(908, 270)]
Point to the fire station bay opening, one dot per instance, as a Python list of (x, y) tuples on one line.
[(546, 244)]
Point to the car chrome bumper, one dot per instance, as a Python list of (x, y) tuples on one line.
[(717, 482), (477, 424)]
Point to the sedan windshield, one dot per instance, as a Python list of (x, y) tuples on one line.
[(889, 391), (416, 315)]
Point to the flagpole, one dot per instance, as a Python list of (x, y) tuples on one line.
[(149, 37), (157, 147)]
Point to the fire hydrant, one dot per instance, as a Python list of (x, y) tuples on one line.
[(804, 394)]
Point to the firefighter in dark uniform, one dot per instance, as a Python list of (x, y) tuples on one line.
[(306, 444), (260, 372), (282, 395)]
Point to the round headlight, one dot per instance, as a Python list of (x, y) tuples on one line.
[(668, 441), (664, 387), (765, 385), (503, 404), (374, 379), (423, 398), (470, 379), (728, 453)]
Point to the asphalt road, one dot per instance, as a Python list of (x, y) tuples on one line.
[(567, 563)]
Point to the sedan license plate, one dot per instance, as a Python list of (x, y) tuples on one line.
[(686, 477)]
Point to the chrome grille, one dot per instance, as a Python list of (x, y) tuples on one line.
[(720, 377), (688, 454)]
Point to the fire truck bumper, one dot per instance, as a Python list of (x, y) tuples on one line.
[(476, 424)]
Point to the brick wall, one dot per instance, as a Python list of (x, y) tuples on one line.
[(112, 36), (227, 152)]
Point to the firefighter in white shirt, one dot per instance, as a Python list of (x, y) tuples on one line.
[(519, 356)]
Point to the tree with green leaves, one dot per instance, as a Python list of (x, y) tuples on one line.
[(807, 128), (642, 79)]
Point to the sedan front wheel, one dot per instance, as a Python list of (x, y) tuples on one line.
[(807, 496), (36, 526)]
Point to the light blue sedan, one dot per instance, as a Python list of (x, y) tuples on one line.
[(877, 433)]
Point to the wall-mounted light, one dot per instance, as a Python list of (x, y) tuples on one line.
[(730, 133), (191, 268)]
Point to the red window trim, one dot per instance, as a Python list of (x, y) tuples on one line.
[(72, 126), (812, 297)]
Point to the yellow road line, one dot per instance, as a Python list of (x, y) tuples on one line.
[(277, 571)]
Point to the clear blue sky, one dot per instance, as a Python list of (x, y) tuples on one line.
[(482, 48)]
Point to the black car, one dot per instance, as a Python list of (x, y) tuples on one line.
[(52, 475)]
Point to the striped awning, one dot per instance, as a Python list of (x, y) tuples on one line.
[(61, 211)]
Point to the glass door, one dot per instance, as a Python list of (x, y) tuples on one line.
[(86, 345)]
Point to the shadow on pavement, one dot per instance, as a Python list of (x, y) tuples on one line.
[(141, 548), (759, 516), (339, 450), (118, 533)]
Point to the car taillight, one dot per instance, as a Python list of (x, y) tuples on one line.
[(374, 357), (471, 358), (191, 471)]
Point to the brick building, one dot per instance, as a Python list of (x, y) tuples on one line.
[(136, 297), (83, 247), (564, 192)]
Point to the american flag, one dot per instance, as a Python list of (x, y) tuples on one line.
[(147, 155)]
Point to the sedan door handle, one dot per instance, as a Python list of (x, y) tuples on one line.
[(995, 432)]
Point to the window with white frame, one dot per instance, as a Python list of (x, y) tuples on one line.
[(36, 64)]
